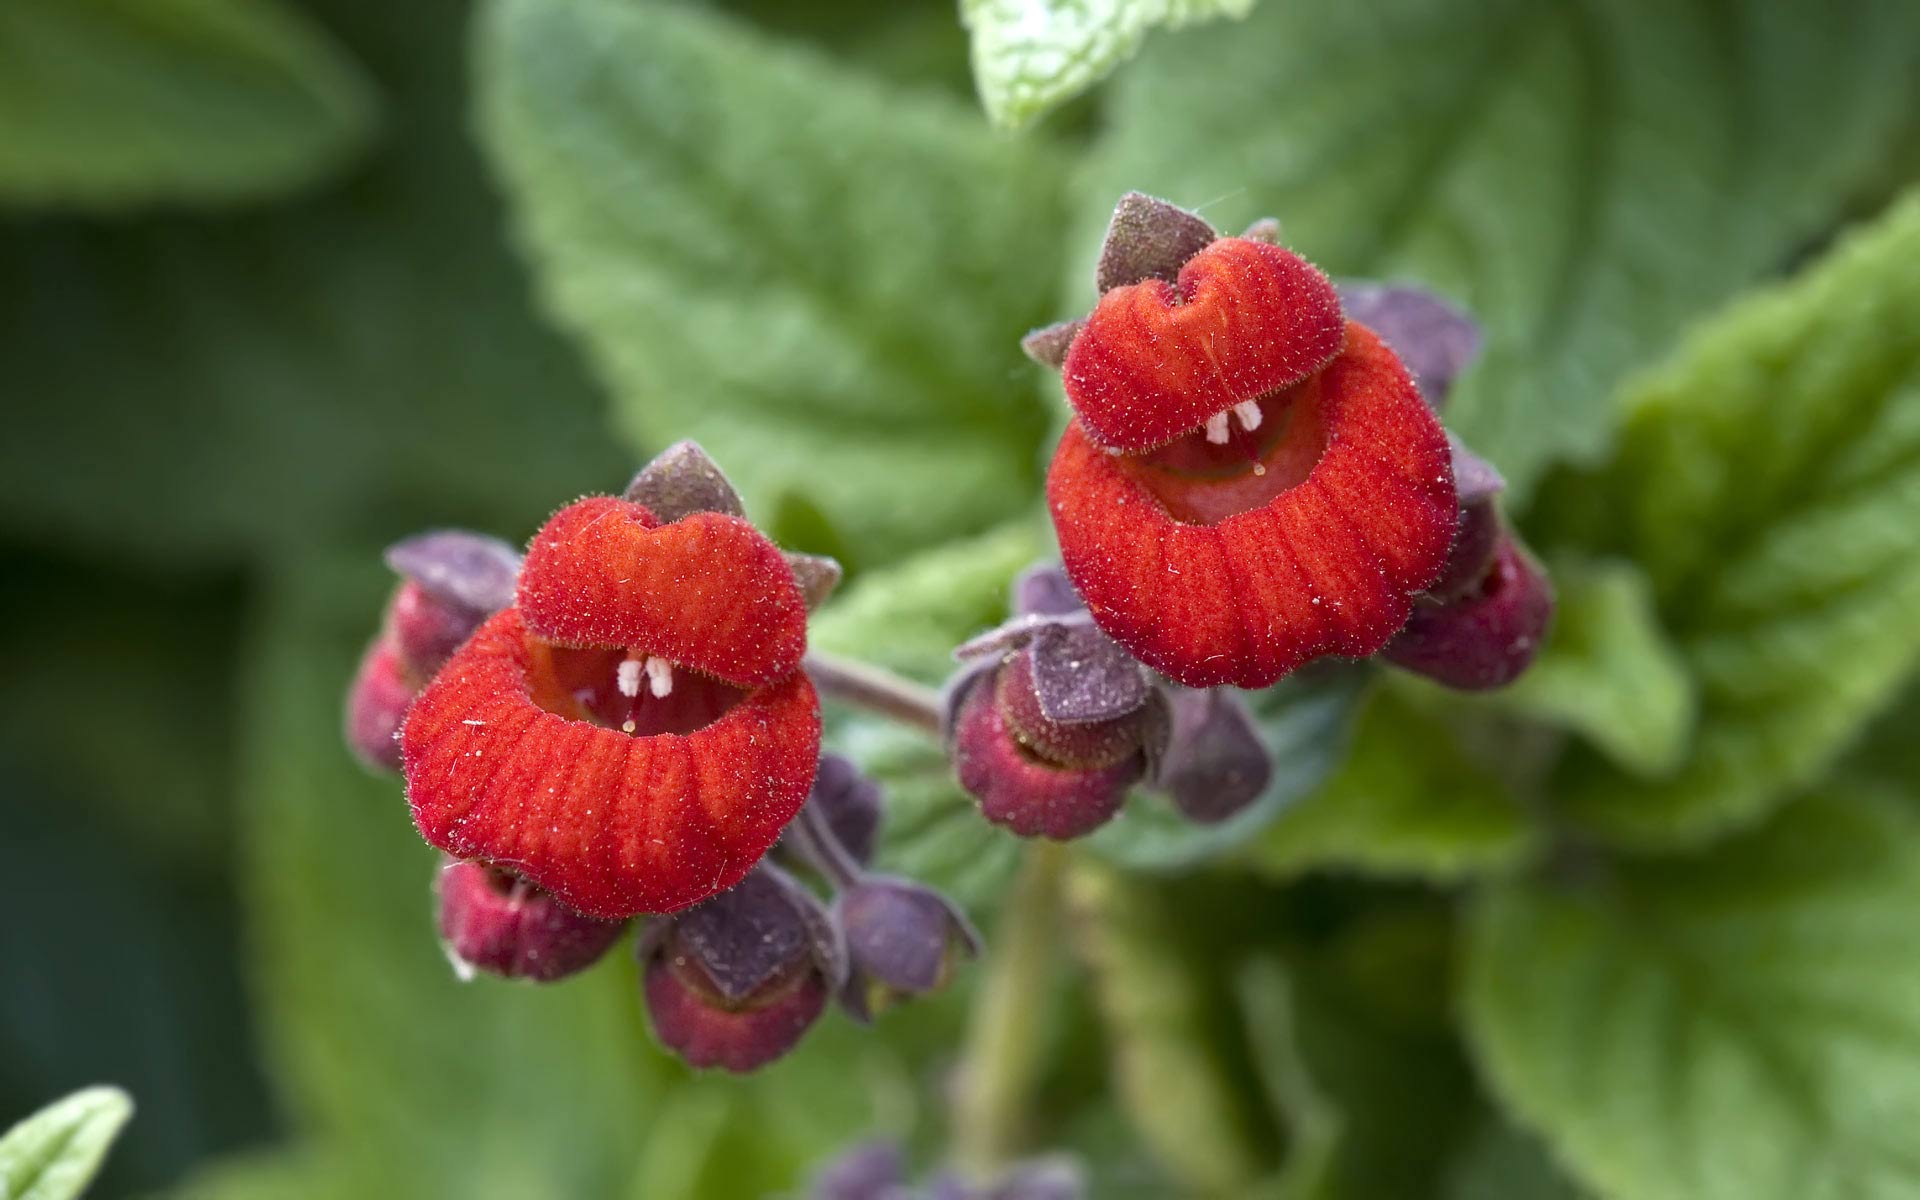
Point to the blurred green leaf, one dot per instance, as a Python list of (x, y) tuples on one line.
[(1303, 722), (1608, 671), (182, 390), (1405, 800), (832, 306), (909, 616), (932, 830), (109, 103), (1168, 1070), (1584, 178), (1769, 483), (54, 1154), (1504, 1163), (1313, 1120), (1744, 1025), (1031, 55)]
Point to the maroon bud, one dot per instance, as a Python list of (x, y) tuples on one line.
[(817, 575), (1478, 533), (1435, 340), (377, 703), (494, 921), (1148, 239), (1048, 344), (902, 940), (464, 569), (425, 629), (1215, 764), (1021, 791), (1486, 638), (1085, 743), (734, 981), (869, 1171)]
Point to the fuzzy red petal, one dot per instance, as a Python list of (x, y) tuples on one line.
[(1327, 565), (1156, 360), (610, 823), (708, 591)]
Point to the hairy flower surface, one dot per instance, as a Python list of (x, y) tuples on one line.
[(1304, 532), (633, 735)]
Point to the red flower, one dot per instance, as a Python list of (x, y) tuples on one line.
[(635, 732), (1250, 482)]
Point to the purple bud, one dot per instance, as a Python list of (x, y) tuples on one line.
[(1486, 638), (682, 480), (1054, 1178), (425, 630), (377, 702), (869, 1171), (1478, 532), (494, 921), (851, 804), (1215, 764), (1148, 239), (734, 981), (1434, 339), (902, 940), (1048, 344), (1044, 590), (817, 575), (468, 570)]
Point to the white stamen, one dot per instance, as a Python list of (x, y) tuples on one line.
[(1249, 413), (627, 676), (1217, 429), (659, 678)]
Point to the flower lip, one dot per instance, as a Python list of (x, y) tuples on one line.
[(1201, 478), (612, 824), (1157, 361), (1327, 566), (708, 591)]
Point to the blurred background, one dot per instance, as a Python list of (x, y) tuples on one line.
[(264, 309)]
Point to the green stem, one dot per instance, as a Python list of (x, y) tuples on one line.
[(875, 689), (1003, 1055)]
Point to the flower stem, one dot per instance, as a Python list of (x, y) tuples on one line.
[(876, 690), (815, 839), (1002, 1058)]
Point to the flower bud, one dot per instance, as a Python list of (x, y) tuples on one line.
[(1478, 532), (377, 703), (850, 802), (1486, 638), (1215, 764), (467, 570), (1434, 340), (870, 1171), (494, 921), (902, 940), (425, 629), (734, 981)]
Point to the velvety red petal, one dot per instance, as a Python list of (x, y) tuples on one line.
[(1326, 566), (610, 823), (1156, 360), (708, 591)]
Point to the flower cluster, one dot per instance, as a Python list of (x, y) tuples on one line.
[(624, 723)]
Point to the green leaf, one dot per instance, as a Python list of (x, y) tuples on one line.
[(909, 616), (1739, 1026), (359, 365), (932, 831), (831, 305), (1584, 178), (1608, 672), (1303, 723), (1407, 799), (54, 1154), (109, 103), (1769, 483), (1313, 1119), (1031, 55), (1504, 1163)]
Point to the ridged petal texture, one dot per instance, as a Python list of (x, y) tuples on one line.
[(708, 591), (1156, 359), (610, 823), (1325, 566)]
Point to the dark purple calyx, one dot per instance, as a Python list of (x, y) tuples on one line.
[(1435, 340)]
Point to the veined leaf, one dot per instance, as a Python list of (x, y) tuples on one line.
[(54, 1154), (1743, 1025)]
